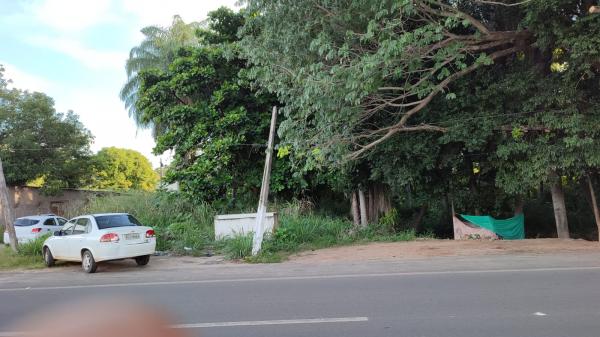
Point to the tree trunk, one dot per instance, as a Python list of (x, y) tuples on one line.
[(419, 218), (372, 216), (519, 202), (355, 210), (379, 202), (363, 208), (560, 209), (7, 211), (594, 204)]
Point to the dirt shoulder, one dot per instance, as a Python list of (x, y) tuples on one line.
[(435, 248)]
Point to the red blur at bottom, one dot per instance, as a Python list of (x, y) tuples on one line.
[(99, 318)]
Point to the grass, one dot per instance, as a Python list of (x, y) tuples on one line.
[(237, 247), (10, 260), (33, 248), (298, 233)]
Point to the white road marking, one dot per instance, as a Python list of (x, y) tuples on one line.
[(241, 323), (272, 322), (539, 314), (298, 278)]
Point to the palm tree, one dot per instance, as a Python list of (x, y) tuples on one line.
[(157, 51)]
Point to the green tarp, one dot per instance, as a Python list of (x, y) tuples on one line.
[(509, 229)]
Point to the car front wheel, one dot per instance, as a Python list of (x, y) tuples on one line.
[(48, 258), (142, 260), (88, 263)]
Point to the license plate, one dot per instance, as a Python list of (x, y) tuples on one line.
[(132, 236)]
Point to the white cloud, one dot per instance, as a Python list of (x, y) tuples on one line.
[(89, 57), (71, 15), (103, 114), (161, 12), (23, 80)]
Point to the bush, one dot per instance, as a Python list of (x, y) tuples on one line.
[(237, 247), (33, 248), (185, 237), (309, 231)]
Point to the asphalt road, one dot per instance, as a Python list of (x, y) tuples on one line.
[(530, 296)]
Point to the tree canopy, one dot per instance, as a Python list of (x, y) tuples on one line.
[(478, 104), (123, 169), (156, 51), (36, 142)]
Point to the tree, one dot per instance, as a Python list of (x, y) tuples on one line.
[(38, 142), (352, 74), (213, 121), (157, 51), (123, 169), (356, 76)]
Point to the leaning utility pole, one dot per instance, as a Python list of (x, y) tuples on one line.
[(7, 211), (264, 189)]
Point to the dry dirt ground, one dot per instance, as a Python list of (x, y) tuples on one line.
[(433, 248)]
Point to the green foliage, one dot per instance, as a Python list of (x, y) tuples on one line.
[(510, 90), (390, 219), (211, 118), (33, 248), (297, 233), (156, 51), (123, 169), (10, 260), (238, 246), (36, 142), (350, 72), (186, 237), (178, 222)]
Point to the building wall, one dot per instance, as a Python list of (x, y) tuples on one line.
[(30, 200)]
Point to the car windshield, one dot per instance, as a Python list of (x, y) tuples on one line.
[(117, 220), (26, 222)]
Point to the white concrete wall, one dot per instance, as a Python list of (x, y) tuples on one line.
[(231, 224)]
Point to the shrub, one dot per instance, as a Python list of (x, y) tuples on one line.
[(34, 247), (237, 247), (183, 237)]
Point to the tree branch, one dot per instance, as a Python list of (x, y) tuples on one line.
[(400, 125), (500, 3)]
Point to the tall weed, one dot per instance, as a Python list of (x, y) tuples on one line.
[(180, 225), (34, 247)]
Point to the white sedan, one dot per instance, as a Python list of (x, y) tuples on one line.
[(100, 237)]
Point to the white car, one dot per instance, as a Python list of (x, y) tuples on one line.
[(100, 237), (32, 227)]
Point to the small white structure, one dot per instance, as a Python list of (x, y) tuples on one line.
[(232, 224)]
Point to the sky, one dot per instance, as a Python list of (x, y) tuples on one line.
[(75, 52)]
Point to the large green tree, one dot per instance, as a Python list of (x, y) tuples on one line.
[(36, 142), (215, 124), (156, 51), (356, 76), (123, 169), (355, 73)]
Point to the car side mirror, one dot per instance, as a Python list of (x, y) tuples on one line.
[(58, 233)]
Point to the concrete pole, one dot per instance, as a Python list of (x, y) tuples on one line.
[(264, 190)]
